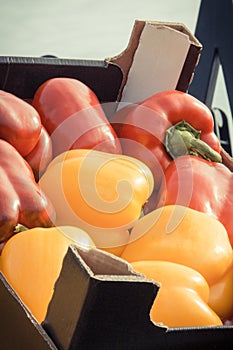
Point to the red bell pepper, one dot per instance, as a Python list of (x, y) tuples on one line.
[(201, 185), (73, 117), (41, 155), (21, 200), (142, 129), (20, 123)]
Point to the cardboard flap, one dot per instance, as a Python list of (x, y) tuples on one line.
[(167, 63), (18, 328), (99, 300), (104, 264)]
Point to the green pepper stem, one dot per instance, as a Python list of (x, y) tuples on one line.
[(182, 139), (20, 228)]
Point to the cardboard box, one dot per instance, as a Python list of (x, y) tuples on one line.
[(101, 303), (95, 302)]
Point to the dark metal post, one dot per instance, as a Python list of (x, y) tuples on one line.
[(214, 30)]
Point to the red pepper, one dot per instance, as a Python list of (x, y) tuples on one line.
[(21, 200), (20, 123), (41, 155), (73, 117), (201, 185), (142, 129)]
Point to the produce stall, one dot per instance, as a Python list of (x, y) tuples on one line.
[(100, 299)]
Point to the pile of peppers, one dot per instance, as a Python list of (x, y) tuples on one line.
[(64, 113), (180, 236), (64, 163), (173, 133)]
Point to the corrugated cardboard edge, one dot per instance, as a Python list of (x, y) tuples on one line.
[(124, 60)]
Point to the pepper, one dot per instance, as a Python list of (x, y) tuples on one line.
[(74, 117), (221, 300), (21, 200), (182, 300), (182, 235), (201, 185), (20, 123), (31, 261), (142, 129), (100, 192), (41, 155)]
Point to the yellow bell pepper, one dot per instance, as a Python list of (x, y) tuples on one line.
[(182, 235), (182, 300), (31, 262), (221, 295), (100, 192)]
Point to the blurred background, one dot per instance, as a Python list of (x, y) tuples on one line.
[(89, 29), (82, 28)]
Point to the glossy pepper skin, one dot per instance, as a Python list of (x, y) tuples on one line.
[(182, 300), (21, 201), (20, 123), (184, 236), (142, 128), (73, 116), (41, 155), (201, 185), (96, 190), (221, 300)]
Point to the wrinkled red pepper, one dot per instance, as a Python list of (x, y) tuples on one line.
[(142, 129), (73, 116), (41, 155), (21, 200), (201, 185), (20, 123)]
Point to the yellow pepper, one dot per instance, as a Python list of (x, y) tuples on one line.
[(221, 295), (31, 261), (99, 192), (182, 235), (182, 300)]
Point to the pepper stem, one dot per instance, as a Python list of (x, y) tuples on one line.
[(182, 139), (20, 228)]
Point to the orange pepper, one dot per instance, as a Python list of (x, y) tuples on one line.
[(99, 192), (221, 295), (182, 235), (183, 295), (31, 262)]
